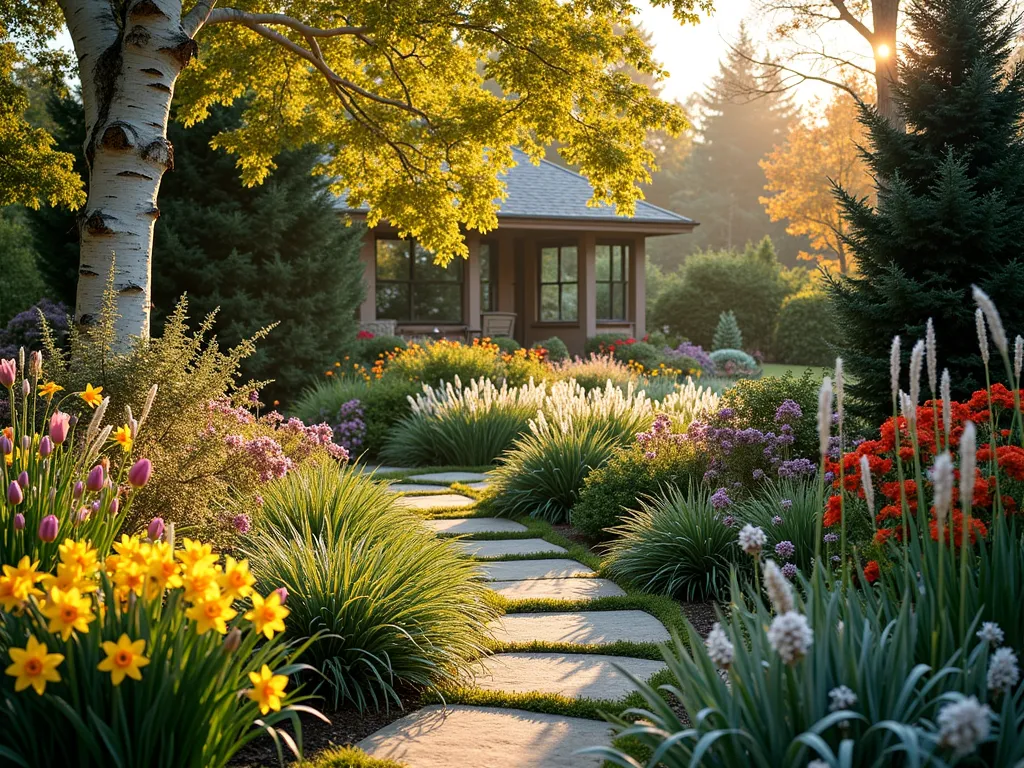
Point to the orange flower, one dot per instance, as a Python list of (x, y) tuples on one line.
[(92, 395), (833, 511), (872, 571)]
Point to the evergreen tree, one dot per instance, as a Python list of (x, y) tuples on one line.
[(950, 208), (722, 180), (21, 284), (277, 253), (727, 334)]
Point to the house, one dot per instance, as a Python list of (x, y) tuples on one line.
[(553, 267)]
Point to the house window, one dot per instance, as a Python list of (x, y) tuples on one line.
[(412, 288), (559, 284), (488, 278), (612, 281)]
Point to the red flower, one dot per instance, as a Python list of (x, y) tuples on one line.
[(872, 571), (889, 512), (882, 535), (955, 527), (833, 511), (364, 335)]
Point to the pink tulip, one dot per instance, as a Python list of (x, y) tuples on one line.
[(23, 480), (19, 522), (83, 514), (26, 388), (282, 592), (156, 528), (94, 480), (35, 363), (59, 425), (115, 505), (8, 373), (14, 494), (6, 446), (48, 528), (45, 446), (140, 472), (76, 492)]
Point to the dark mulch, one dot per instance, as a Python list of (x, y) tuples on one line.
[(347, 727), (701, 615), (575, 536)]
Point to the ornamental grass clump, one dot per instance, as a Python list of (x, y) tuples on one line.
[(157, 655), (379, 602), (467, 426), (675, 544)]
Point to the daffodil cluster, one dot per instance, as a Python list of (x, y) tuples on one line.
[(146, 573)]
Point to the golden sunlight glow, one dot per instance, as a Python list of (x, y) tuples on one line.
[(882, 51)]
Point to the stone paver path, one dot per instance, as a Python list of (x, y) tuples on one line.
[(521, 570), (476, 525), (488, 737), (508, 547), (574, 674), (557, 589)]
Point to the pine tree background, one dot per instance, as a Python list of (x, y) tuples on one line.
[(276, 253), (727, 333), (950, 202)]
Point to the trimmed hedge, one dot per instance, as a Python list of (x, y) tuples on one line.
[(806, 330)]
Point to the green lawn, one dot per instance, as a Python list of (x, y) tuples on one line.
[(781, 369)]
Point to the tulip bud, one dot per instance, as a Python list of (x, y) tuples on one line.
[(26, 442), (35, 363), (26, 388), (23, 480), (156, 528), (45, 446), (115, 505), (19, 522), (95, 506), (140, 472), (232, 641), (6, 446), (76, 492), (14, 494), (105, 463), (82, 515), (59, 425), (48, 528), (94, 480), (282, 592), (8, 373)]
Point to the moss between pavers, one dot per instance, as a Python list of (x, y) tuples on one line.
[(348, 757)]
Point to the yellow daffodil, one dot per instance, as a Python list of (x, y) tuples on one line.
[(212, 614), (162, 571), (92, 395), (201, 584), (68, 576), (33, 665), (49, 389), (267, 615), (81, 554), (123, 436), (267, 689), (68, 612), (195, 553), (130, 577), (132, 549), (18, 583), (124, 658), (236, 581)]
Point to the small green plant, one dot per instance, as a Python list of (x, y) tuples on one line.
[(727, 333), (555, 347), (735, 363), (787, 512), (506, 344), (675, 543), (397, 605)]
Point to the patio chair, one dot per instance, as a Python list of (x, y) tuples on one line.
[(495, 325)]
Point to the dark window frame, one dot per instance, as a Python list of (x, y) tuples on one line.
[(541, 282), (491, 290), (411, 282), (612, 281)]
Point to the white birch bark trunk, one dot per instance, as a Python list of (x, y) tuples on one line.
[(130, 54)]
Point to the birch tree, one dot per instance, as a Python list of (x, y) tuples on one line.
[(396, 89)]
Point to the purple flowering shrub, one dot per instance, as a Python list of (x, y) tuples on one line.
[(770, 401), (25, 328), (350, 426), (694, 352)]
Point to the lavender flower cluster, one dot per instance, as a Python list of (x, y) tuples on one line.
[(694, 352), (659, 437), (265, 455), (314, 436), (350, 426)]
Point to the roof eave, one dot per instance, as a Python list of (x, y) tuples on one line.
[(611, 224)]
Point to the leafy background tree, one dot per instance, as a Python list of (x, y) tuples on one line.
[(21, 285), (950, 206)]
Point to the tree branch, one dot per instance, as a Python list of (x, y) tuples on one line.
[(853, 21), (234, 16), (194, 20)]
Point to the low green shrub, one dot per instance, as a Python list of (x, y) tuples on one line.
[(433, 362), (348, 757), (506, 344), (677, 544), (555, 347), (806, 330), (398, 605), (631, 474), (786, 512), (641, 353), (756, 402), (735, 363), (367, 351)]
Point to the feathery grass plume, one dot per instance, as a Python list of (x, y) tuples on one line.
[(942, 480), (148, 405), (968, 462), (947, 409), (894, 367), (908, 410), (916, 361), (97, 419), (1018, 357), (824, 415), (839, 390), (931, 356), (720, 648), (776, 586), (979, 324), (869, 488), (995, 323)]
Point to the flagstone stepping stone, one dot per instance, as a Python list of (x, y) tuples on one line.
[(487, 737), (447, 478), (483, 485), (507, 547), (475, 525), (414, 488), (367, 469), (582, 628), (436, 501), (517, 570), (557, 589), (574, 674)]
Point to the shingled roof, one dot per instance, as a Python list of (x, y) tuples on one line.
[(551, 192)]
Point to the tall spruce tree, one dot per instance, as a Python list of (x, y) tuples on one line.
[(277, 253), (950, 208), (721, 180)]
